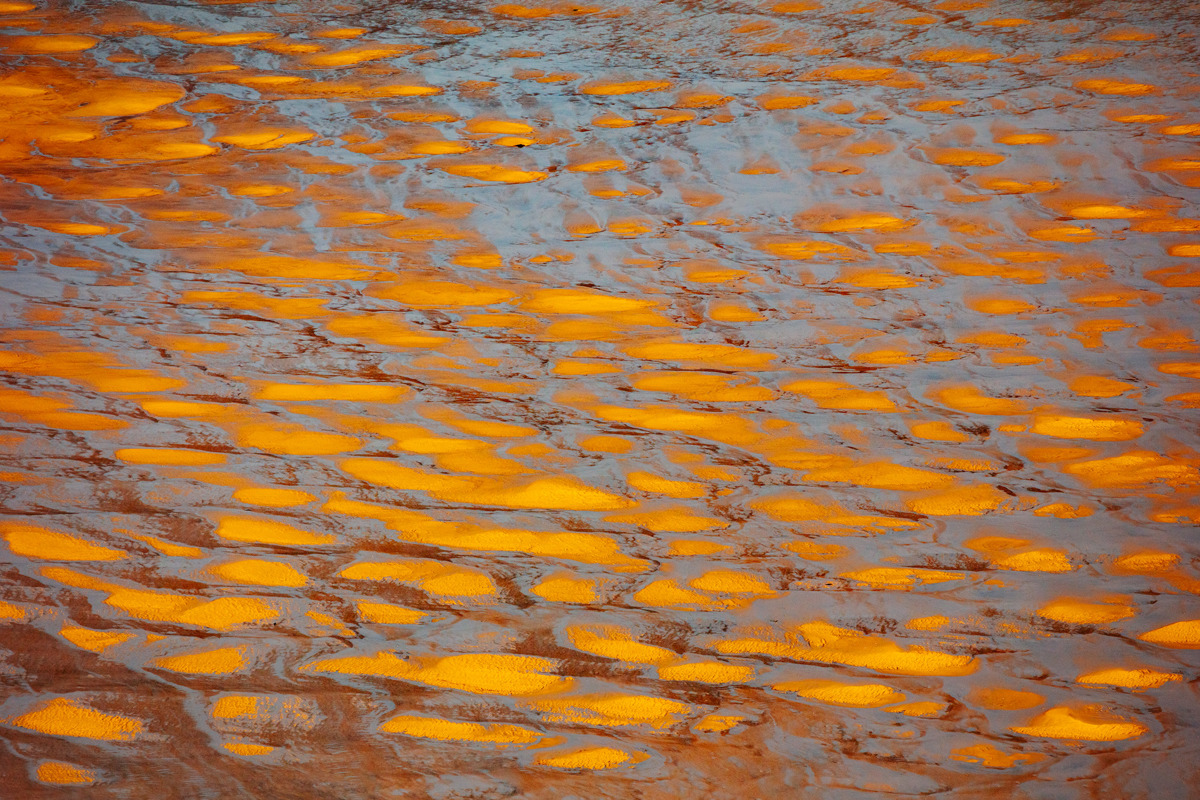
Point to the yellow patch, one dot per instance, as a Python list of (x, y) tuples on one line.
[(63, 716)]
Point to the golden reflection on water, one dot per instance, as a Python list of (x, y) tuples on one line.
[(559, 400)]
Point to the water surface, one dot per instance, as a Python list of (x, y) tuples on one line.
[(576, 400)]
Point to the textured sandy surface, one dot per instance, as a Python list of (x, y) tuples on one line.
[(599, 400)]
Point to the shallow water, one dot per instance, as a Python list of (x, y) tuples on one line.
[(643, 400)]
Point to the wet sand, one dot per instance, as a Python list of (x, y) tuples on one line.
[(599, 400)]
